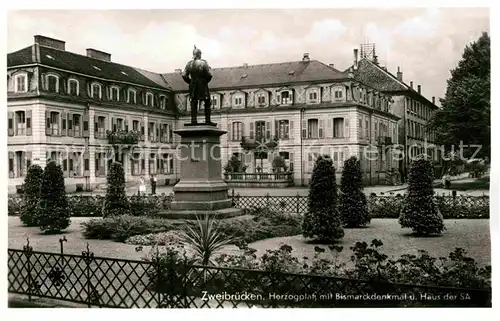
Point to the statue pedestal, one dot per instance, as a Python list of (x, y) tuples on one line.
[(201, 189)]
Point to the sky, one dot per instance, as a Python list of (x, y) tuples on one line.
[(424, 42)]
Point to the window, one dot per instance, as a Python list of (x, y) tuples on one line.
[(54, 123), (283, 127), (286, 98), (312, 96), (238, 101), (136, 164), (100, 164), (236, 131), (151, 131), (52, 83), (260, 130), (120, 124), (164, 133), (312, 128), (366, 129), (20, 123), (261, 99), (115, 93), (337, 93), (96, 92), (73, 87), (132, 96), (101, 126), (338, 127), (215, 101), (163, 102), (312, 157), (76, 125), (360, 128), (135, 125), (21, 83), (166, 164), (149, 99), (152, 163)]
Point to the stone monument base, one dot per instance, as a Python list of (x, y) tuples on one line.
[(201, 190)]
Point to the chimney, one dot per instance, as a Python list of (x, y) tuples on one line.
[(245, 64), (50, 42), (418, 88), (355, 51), (411, 84), (399, 75), (101, 55), (433, 100), (375, 60), (306, 57), (178, 71), (332, 65)]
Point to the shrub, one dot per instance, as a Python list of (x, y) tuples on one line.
[(323, 221), (31, 196), (14, 205), (205, 238), (116, 202), (279, 164), (419, 211), (53, 214), (120, 228), (234, 165), (353, 205), (85, 206)]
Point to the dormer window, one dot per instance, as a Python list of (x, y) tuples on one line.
[(285, 97), (52, 83), (114, 93), (215, 101), (96, 91), (149, 99), (132, 96), (21, 83), (239, 100), (313, 96), (261, 100), (163, 102), (338, 93), (73, 87)]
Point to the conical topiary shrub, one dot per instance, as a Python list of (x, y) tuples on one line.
[(353, 205), (31, 197), (322, 220), (53, 212), (419, 211), (116, 202)]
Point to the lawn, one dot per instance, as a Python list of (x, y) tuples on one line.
[(472, 235), (482, 183)]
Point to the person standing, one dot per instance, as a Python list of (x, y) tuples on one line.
[(153, 184), (142, 186)]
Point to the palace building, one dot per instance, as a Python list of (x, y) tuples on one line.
[(85, 111)]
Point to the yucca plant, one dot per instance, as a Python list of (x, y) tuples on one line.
[(205, 238)]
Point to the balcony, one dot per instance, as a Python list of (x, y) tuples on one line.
[(277, 180), (122, 137), (259, 142)]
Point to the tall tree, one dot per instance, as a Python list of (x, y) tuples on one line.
[(465, 113)]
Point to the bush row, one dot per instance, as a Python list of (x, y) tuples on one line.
[(92, 205), (462, 206)]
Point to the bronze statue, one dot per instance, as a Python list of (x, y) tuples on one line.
[(197, 74)]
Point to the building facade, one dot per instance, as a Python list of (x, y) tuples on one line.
[(84, 111), (412, 108)]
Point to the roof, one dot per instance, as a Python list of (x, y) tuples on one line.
[(264, 75), (379, 78), (86, 65)]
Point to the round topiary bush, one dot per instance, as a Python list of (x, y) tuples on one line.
[(419, 211), (322, 220), (53, 212), (353, 205), (31, 197), (116, 202)]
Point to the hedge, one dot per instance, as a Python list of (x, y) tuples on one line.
[(91, 205)]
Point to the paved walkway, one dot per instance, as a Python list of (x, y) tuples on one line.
[(303, 191)]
